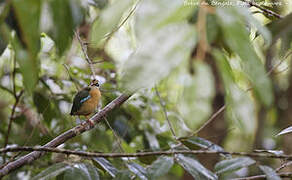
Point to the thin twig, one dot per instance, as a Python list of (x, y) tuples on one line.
[(209, 120), (6, 89), (162, 104), (84, 50), (140, 154), (17, 99), (64, 137), (108, 36), (289, 163), (70, 77), (266, 11), (115, 134), (14, 156), (117, 138)]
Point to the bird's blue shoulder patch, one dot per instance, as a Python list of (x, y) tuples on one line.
[(85, 99)]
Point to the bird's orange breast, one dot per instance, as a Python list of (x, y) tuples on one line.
[(91, 104)]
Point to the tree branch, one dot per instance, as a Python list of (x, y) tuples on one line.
[(64, 137), (266, 11), (140, 154)]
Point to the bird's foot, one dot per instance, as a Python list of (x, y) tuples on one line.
[(90, 122)]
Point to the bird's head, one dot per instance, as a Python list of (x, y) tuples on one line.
[(94, 83)]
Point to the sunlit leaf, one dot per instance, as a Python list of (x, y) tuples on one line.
[(6, 59), (160, 167), (237, 38), (152, 15), (47, 44), (81, 171), (52, 171), (195, 168), (145, 68), (107, 166), (285, 131), (159, 50), (138, 170), (231, 165), (255, 23), (108, 20), (270, 173), (239, 105)]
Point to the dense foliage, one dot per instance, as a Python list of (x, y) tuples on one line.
[(182, 61)]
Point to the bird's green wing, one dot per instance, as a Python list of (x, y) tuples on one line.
[(79, 99)]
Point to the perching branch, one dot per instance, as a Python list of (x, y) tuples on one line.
[(64, 137), (140, 154)]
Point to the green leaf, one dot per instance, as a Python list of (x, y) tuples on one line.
[(239, 104), (52, 171), (160, 49), (255, 23), (160, 167), (195, 105), (270, 173), (28, 68), (123, 175), (108, 20), (28, 18), (81, 171), (152, 15), (147, 159), (28, 63), (237, 39), (180, 14), (195, 168), (282, 29), (47, 44), (63, 24), (145, 68), (234, 164), (106, 165), (285, 131), (138, 170), (6, 60), (196, 143), (41, 101)]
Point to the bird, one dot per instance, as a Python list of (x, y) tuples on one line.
[(86, 101)]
